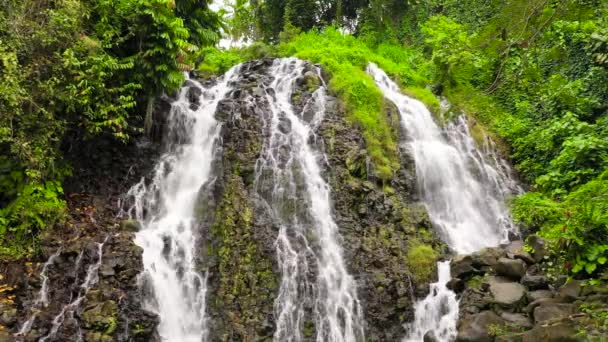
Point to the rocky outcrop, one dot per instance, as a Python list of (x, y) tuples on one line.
[(388, 242), (506, 297), (379, 223)]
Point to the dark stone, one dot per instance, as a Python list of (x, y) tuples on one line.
[(535, 282), (475, 328), (430, 337), (456, 285), (515, 250), (511, 268), (462, 266)]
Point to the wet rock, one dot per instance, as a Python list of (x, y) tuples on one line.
[(430, 337), (475, 328), (558, 332), (508, 294), (511, 268), (535, 282), (456, 285), (538, 247), (462, 266), (194, 96), (553, 311)]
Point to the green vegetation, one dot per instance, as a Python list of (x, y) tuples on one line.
[(421, 261), (73, 70), (533, 74), (345, 58)]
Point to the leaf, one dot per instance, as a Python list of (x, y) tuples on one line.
[(590, 267)]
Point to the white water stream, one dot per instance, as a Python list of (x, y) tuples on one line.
[(289, 182), (165, 208), (68, 311), (43, 295), (464, 191)]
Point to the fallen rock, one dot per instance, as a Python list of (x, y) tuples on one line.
[(542, 301), (462, 266), (570, 291), (517, 319), (559, 332), (538, 247), (510, 268), (456, 285), (535, 282), (487, 257), (538, 294), (515, 250), (553, 311), (475, 327), (508, 294)]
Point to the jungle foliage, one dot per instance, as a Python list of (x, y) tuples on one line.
[(76, 69)]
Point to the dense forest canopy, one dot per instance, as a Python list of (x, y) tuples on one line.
[(532, 74)]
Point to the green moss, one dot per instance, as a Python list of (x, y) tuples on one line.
[(247, 284), (421, 260)]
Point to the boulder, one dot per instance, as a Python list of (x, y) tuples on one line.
[(508, 294), (515, 250), (559, 332), (462, 266), (542, 301), (517, 319), (456, 285), (553, 311), (430, 337), (475, 328), (570, 291), (487, 257), (538, 294), (512, 268), (535, 282), (538, 247)]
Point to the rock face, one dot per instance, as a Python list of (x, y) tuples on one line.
[(378, 222)]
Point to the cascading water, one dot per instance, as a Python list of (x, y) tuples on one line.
[(464, 192), (165, 208), (67, 312), (43, 295), (290, 184)]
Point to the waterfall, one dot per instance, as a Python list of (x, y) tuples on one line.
[(464, 191), (165, 208), (43, 295), (290, 184), (67, 312)]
